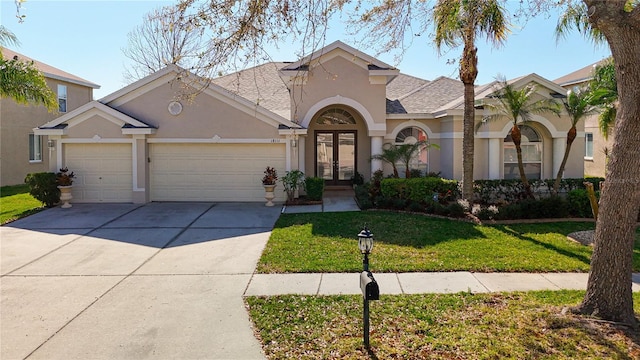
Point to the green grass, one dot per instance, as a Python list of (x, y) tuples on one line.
[(327, 242), (15, 203), (437, 326)]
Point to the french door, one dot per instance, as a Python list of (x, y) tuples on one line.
[(335, 156)]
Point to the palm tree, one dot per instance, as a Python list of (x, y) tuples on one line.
[(518, 106), (22, 81), (391, 155), (408, 151), (462, 21), (578, 105), (605, 94)]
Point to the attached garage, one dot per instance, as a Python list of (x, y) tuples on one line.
[(212, 172), (103, 171)]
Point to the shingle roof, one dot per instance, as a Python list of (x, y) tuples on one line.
[(50, 71), (428, 97), (402, 85), (262, 85), (578, 76)]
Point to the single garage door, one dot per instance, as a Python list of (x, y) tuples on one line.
[(103, 172), (213, 172)]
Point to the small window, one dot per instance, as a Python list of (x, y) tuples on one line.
[(35, 148), (62, 98), (588, 142), (412, 135), (336, 117)]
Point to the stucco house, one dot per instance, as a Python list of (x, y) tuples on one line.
[(22, 151), (596, 146), (325, 114)]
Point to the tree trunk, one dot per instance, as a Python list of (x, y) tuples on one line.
[(609, 293), (468, 74), (516, 136), (571, 136)]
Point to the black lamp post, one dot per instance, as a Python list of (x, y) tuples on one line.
[(365, 243)]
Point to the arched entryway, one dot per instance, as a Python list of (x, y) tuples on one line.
[(337, 133)]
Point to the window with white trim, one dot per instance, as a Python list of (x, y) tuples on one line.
[(412, 135), (62, 98), (35, 148), (531, 146), (588, 145)]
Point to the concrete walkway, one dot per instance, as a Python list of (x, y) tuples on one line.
[(417, 283)]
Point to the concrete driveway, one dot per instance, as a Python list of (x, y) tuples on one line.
[(125, 281)]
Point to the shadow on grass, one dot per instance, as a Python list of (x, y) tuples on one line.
[(387, 227), (505, 229)]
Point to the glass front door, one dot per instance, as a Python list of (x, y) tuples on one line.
[(336, 156)]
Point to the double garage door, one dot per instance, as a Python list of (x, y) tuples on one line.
[(212, 172)]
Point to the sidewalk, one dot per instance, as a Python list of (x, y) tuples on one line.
[(416, 283)]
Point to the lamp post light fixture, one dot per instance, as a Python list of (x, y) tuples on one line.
[(365, 243), (368, 284)]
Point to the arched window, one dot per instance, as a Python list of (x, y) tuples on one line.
[(412, 135), (335, 116), (531, 145)]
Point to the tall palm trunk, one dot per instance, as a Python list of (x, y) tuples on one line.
[(468, 75), (571, 136), (516, 136)]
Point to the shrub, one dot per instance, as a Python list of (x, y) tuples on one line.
[(415, 173), (551, 207), (456, 209), (314, 187), (291, 181), (418, 189), (579, 204), (415, 206), (357, 179), (44, 187)]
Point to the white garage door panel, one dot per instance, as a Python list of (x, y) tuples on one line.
[(212, 172), (103, 172)]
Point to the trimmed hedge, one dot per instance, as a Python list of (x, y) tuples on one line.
[(490, 191), (314, 187), (419, 189)]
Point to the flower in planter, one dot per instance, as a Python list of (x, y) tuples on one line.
[(64, 177), (270, 176)]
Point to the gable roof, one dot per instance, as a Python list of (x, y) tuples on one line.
[(49, 71), (374, 64), (127, 123), (175, 73), (578, 76)]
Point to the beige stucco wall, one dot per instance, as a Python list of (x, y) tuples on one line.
[(339, 77), (202, 118), (595, 166), (18, 121)]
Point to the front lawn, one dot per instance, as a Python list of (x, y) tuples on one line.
[(327, 242), (16, 202), (437, 326)]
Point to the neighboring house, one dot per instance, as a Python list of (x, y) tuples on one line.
[(21, 151), (325, 114), (597, 147)]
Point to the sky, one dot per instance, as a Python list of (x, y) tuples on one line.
[(86, 38)]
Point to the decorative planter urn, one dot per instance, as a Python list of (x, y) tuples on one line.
[(65, 196), (268, 194)]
